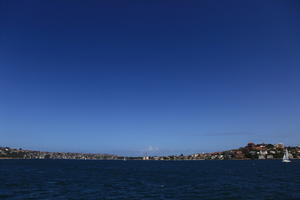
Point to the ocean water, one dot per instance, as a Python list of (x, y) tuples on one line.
[(184, 180)]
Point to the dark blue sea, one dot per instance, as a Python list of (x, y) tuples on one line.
[(184, 180)]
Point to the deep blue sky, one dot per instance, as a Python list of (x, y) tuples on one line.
[(166, 77)]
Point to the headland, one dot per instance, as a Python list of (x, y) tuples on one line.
[(249, 152)]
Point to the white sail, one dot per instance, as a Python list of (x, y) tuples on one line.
[(286, 156)]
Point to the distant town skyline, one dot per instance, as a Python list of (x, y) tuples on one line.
[(250, 151), (162, 77)]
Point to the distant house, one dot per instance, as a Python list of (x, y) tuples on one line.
[(250, 145), (264, 152), (279, 146), (262, 155), (156, 157), (272, 152), (146, 158)]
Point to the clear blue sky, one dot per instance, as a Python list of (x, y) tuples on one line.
[(166, 77)]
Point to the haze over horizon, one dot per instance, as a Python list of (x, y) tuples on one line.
[(163, 77)]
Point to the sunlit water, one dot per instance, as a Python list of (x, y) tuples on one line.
[(184, 180)]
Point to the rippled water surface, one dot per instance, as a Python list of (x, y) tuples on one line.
[(73, 179)]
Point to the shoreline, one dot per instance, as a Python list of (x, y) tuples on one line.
[(9, 158), (249, 152)]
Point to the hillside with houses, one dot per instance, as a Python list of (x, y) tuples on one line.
[(13, 153), (250, 152)]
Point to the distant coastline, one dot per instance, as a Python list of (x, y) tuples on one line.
[(250, 152)]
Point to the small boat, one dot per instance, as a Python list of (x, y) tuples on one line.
[(286, 156)]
